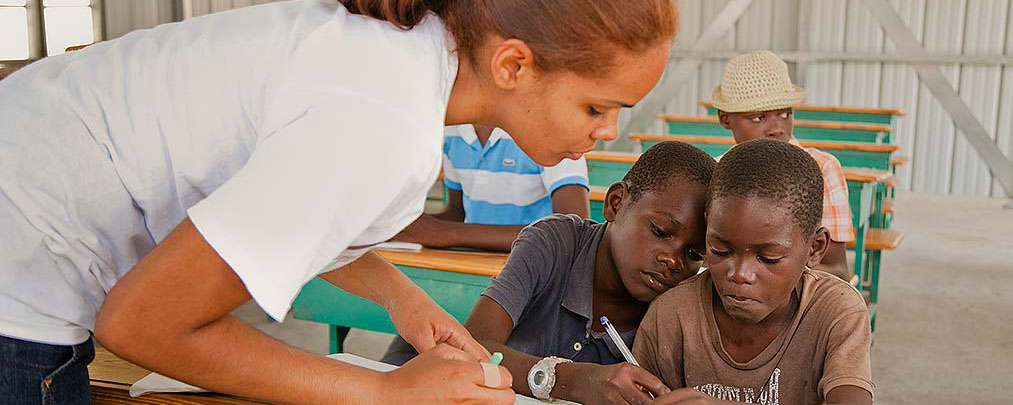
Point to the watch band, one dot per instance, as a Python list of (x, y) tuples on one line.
[(542, 377)]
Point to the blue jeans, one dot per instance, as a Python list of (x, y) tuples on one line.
[(39, 373)]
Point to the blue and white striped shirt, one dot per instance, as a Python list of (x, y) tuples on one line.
[(500, 184)]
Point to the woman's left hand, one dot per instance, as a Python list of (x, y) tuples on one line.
[(422, 323)]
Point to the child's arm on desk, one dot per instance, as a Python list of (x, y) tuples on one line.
[(587, 383), (447, 229)]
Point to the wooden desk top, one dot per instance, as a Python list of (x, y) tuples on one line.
[(868, 175), (881, 239), (597, 193), (838, 108), (855, 126), (612, 156), (111, 378), (685, 138), (861, 146), (482, 263)]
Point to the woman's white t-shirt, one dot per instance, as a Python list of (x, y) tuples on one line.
[(292, 134)]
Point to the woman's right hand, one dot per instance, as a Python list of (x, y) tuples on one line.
[(621, 383), (445, 374)]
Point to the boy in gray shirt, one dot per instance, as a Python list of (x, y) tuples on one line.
[(565, 272)]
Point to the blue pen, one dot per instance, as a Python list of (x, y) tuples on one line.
[(618, 340)]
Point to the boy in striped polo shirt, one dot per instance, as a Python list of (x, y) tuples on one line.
[(754, 101), (494, 190)]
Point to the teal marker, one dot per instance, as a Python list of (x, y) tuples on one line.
[(496, 358)]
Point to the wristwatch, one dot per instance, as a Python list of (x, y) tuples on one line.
[(542, 377)]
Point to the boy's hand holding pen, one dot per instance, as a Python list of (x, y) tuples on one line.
[(613, 384)]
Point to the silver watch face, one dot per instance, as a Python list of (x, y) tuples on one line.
[(538, 378)]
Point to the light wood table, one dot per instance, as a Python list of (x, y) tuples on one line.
[(111, 378)]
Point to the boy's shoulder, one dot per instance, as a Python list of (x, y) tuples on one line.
[(560, 232), (562, 223), (831, 297)]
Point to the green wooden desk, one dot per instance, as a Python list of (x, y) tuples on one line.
[(836, 113), (850, 154), (804, 129), (865, 201), (607, 167), (597, 200), (454, 279)]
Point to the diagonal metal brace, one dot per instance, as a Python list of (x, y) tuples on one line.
[(898, 32), (657, 99)]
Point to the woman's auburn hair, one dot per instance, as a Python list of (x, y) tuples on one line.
[(582, 36)]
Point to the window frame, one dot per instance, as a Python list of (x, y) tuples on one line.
[(37, 32)]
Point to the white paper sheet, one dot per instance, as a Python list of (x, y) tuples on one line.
[(404, 246), (156, 383)]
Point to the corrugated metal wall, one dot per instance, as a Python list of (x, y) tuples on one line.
[(941, 160), (123, 16)]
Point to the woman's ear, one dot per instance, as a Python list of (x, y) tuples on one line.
[(512, 63), (818, 247), (616, 195)]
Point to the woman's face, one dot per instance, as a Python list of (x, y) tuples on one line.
[(562, 115)]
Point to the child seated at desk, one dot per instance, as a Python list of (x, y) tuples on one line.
[(494, 190), (754, 101), (759, 325), (565, 272)]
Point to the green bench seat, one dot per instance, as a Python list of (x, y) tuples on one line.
[(804, 129), (836, 113), (850, 154), (454, 279)]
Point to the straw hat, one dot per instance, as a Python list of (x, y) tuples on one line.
[(756, 81)]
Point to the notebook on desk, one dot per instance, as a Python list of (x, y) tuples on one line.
[(157, 383)]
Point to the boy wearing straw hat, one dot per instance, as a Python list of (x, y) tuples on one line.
[(754, 101)]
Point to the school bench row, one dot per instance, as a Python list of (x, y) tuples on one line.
[(885, 116), (804, 129), (840, 123)]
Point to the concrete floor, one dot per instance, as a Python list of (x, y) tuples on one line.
[(946, 302)]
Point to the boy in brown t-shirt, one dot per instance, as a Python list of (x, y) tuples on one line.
[(760, 326)]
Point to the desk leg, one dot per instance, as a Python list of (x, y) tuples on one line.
[(878, 216), (338, 335), (874, 256), (860, 255)]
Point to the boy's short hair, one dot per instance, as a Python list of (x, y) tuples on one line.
[(777, 171), (665, 161)]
